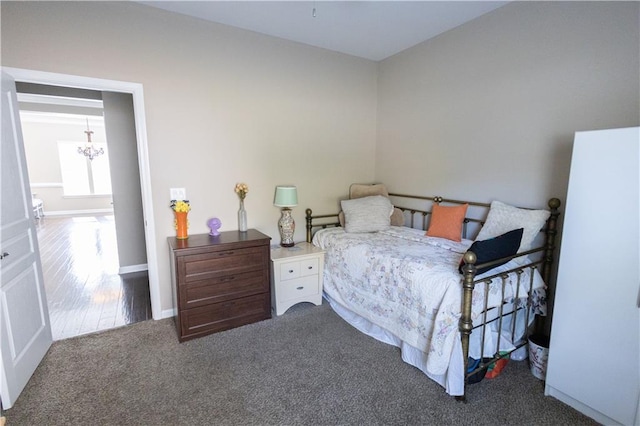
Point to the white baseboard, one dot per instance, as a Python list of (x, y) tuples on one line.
[(168, 313), (133, 268), (77, 212)]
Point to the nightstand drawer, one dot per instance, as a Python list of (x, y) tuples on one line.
[(301, 287), (309, 267), (299, 268), (289, 270)]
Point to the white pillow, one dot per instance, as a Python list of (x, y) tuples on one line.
[(367, 214), (503, 218)]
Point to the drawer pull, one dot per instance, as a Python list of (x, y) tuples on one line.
[(310, 267), (291, 271), (226, 253), (299, 288)]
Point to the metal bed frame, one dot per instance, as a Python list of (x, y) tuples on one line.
[(544, 262)]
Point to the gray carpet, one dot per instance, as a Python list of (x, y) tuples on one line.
[(307, 367)]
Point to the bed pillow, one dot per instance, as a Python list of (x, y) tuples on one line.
[(446, 221), (495, 248), (503, 218), (360, 190), (368, 214), (397, 218)]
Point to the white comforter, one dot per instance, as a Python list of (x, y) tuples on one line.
[(408, 284)]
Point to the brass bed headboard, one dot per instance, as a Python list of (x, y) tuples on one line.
[(413, 214)]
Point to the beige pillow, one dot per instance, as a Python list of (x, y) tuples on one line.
[(504, 218)]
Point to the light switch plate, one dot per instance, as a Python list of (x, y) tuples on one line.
[(178, 193)]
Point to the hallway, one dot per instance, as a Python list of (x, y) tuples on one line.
[(84, 292)]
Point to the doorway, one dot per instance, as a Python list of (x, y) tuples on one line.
[(90, 282), (136, 91)]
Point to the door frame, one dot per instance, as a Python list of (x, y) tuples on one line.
[(136, 90)]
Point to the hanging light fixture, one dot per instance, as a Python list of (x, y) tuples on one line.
[(89, 150)]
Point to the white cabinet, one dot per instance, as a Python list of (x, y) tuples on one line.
[(296, 276), (594, 356)]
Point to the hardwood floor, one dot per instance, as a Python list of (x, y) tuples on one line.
[(84, 292)]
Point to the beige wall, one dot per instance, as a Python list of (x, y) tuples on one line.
[(222, 106), (488, 110)]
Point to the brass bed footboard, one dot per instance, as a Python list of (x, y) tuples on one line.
[(544, 256)]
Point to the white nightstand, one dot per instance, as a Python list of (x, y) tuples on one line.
[(296, 276)]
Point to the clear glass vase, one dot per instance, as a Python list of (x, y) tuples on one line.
[(242, 218)]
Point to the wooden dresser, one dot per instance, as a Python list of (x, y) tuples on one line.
[(220, 282)]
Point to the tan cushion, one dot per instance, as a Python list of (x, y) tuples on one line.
[(359, 190), (397, 217)]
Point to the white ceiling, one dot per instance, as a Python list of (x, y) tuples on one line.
[(368, 29)]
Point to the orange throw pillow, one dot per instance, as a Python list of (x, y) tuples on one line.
[(446, 221)]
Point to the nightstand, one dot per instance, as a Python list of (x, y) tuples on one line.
[(296, 276)]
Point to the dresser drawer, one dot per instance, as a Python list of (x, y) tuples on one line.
[(298, 268), (218, 289), (224, 315), (297, 288), (223, 263)]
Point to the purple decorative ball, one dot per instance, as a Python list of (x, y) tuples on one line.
[(214, 224)]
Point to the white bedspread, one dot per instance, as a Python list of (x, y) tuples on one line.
[(406, 283)]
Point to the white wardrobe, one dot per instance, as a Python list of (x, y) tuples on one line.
[(594, 352)]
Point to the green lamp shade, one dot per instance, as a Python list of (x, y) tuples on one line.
[(286, 196)]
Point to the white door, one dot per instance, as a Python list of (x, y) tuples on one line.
[(25, 331)]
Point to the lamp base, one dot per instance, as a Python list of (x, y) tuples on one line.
[(287, 228)]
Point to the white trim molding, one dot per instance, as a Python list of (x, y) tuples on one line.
[(78, 212), (133, 268), (136, 90), (47, 185), (168, 313)]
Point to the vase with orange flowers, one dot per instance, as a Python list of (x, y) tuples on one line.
[(180, 210)]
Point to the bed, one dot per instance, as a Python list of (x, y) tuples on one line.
[(404, 270)]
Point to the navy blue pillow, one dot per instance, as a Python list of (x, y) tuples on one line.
[(495, 248)]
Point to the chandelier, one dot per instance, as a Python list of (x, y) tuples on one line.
[(89, 150)]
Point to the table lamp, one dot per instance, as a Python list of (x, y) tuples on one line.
[(286, 197)]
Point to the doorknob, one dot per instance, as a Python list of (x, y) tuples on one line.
[(3, 255)]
